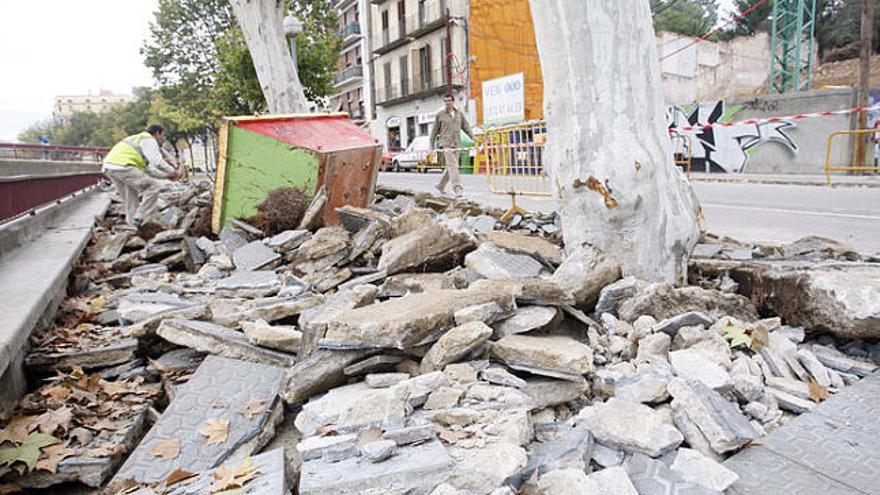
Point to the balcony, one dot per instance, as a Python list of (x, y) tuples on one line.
[(342, 4), (348, 74), (350, 33), (428, 84), (431, 16)]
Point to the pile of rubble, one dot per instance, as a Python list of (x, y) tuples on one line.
[(425, 347)]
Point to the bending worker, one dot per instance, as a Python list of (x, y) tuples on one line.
[(135, 165), (448, 126)]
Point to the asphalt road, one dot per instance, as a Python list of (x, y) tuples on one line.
[(767, 213)]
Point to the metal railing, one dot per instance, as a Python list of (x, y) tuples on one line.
[(430, 14), (52, 152), (25, 193), (869, 135), (432, 80), (683, 151), (351, 29), (348, 73)]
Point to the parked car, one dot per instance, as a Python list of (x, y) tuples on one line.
[(388, 159), (416, 156)]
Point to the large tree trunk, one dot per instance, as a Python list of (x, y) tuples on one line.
[(261, 24), (608, 151)]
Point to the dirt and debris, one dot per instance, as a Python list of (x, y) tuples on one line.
[(423, 346)]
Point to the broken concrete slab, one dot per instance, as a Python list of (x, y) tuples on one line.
[(630, 426), (526, 319), (137, 306), (651, 476), (495, 263), (570, 447), (351, 408), (385, 380), (790, 402), (288, 240), (314, 321), (696, 468), (406, 283), (356, 219), (327, 241), (405, 322), (665, 301), (147, 327), (168, 236), (500, 376), (455, 344), (280, 337), (529, 291), (487, 313), (254, 256), (646, 388), (690, 319), (218, 391), (836, 360), (42, 360), (415, 469), (585, 272), (229, 312), (611, 481), (109, 248), (723, 425), (317, 373), (270, 480), (554, 356), (437, 244), (251, 284), (223, 341), (691, 364), (374, 364), (525, 244), (484, 469), (612, 295)]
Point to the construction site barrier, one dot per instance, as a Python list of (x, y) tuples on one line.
[(683, 151), (857, 134)]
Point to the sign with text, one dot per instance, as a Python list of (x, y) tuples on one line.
[(504, 100)]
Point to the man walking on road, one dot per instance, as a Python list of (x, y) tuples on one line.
[(134, 165), (448, 126)]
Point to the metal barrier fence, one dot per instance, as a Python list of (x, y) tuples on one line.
[(683, 151), (857, 134), (52, 152), (512, 157)]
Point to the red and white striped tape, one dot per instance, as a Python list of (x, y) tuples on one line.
[(768, 120)]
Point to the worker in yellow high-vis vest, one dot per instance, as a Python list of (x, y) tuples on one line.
[(135, 165)]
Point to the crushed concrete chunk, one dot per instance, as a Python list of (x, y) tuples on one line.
[(651, 476), (455, 344), (500, 376), (723, 425), (432, 245), (525, 244), (385, 380), (487, 313), (665, 301), (557, 357), (249, 284), (280, 337), (253, 256), (630, 426), (689, 319), (495, 263), (288, 240), (526, 319), (378, 451), (692, 364), (215, 339), (585, 272), (696, 468), (612, 295)]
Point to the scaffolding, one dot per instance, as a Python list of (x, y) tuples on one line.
[(791, 45)]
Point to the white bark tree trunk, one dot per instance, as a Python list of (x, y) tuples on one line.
[(609, 153), (261, 24)]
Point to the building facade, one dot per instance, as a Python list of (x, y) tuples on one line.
[(67, 105), (353, 77), (412, 43)]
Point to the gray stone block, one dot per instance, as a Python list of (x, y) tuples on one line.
[(215, 339), (253, 256)]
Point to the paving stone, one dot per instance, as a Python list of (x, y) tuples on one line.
[(696, 468), (690, 319), (109, 248), (613, 294), (526, 319), (272, 478), (432, 245), (653, 477), (482, 223), (284, 338), (229, 312), (216, 339), (207, 246), (139, 306), (314, 321), (232, 239), (648, 388), (317, 373), (249, 284), (836, 360), (218, 381), (630, 426), (500, 376), (790, 402), (253, 256), (584, 273), (487, 313), (415, 468), (379, 450), (571, 448), (495, 263), (762, 472), (411, 434), (554, 356), (691, 364), (288, 240)]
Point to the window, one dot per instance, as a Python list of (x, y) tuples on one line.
[(410, 129), (404, 77), (387, 70), (401, 18), (444, 59), (425, 66), (385, 27), (423, 129), (423, 12)]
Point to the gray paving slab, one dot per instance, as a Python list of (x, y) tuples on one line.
[(218, 390), (270, 479), (835, 448)]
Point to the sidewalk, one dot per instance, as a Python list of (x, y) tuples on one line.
[(792, 179)]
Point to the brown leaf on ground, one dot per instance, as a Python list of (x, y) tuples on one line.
[(177, 476), (114, 389), (452, 437), (168, 450), (217, 431), (229, 477), (106, 450), (58, 392), (81, 435), (325, 431), (253, 408), (818, 393), (760, 337), (54, 454), (50, 421), (368, 435), (103, 424), (17, 429), (89, 383)]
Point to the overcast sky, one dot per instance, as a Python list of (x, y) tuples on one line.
[(58, 47)]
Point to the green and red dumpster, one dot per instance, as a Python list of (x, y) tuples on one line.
[(260, 154)]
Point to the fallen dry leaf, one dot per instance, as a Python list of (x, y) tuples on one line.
[(228, 477), (368, 435), (17, 429), (253, 408), (168, 450), (818, 393), (760, 337), (50, 421), (106, 450), (81, 435), (177, 476), (55, 454), (103, 424), (114, 389), (89, 383), (452, 437), (58, 392), (217, 431), (325, 431)]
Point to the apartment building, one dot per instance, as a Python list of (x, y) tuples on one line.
[(67, 105), (411, 44), (352, 80)]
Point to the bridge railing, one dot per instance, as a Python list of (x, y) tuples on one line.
[(48, 152)]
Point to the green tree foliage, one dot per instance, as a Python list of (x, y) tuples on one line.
[(756, 20), (687, 17), (317, 46), (237, 90)]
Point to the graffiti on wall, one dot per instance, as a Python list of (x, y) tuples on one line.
[(726, 149)]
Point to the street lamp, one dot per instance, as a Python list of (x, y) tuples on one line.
[(292, 27)]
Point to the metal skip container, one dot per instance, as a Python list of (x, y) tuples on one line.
[(307, 151)]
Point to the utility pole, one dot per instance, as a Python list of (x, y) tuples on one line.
[(865, 76), (448, 61)]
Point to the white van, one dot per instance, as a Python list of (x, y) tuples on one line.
[(415, 156)]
